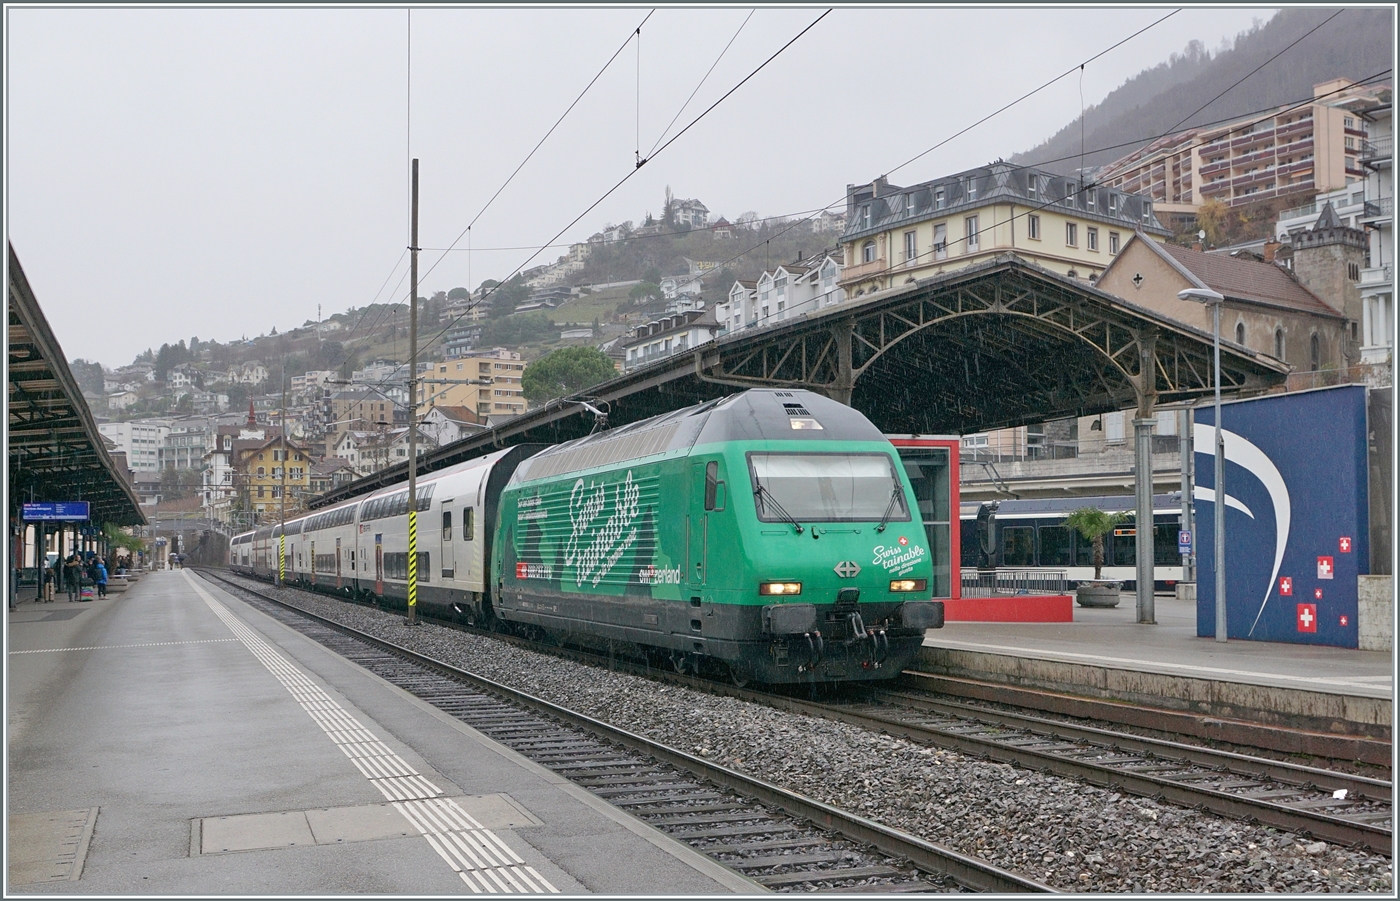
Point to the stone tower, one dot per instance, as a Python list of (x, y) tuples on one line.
[(1328, 260)]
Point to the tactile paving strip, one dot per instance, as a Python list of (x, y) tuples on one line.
[(482, 860)]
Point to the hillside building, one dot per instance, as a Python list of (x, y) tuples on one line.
[(895, 235), (1377, 278), (486, 382), (1313, 148), (789, 290), (1265, 308), (667, 336)]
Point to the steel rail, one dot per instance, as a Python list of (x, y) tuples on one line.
[(1268, 812), (1377, 790), (968, 871), (1371, 748)]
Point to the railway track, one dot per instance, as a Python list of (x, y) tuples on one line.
[(1372, 749), (779, 839), (1352, 811)]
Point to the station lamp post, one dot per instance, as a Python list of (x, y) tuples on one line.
[(1214, 300)]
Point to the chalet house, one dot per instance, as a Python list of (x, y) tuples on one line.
[(791, 289), (669, 335), (448, 424), (690, 213)]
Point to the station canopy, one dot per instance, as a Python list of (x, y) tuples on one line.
[(995, 345), (55, 452)]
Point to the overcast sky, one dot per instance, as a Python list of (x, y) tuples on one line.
[(219, 172)]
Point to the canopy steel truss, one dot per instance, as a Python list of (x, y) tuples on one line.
[(54, 449), (1000, 344)]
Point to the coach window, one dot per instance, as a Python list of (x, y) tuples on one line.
[(468, 523), (1054, 546), (1018, 546), (447, 525), (1164, 552), (1124, 546)]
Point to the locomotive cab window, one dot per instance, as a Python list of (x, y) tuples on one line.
[(826, 488), (714, 488)]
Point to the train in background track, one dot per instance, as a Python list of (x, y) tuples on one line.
[(768, 533), (1030, 535)]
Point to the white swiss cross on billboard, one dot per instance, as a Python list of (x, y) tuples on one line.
[(1344, 544), (1307, 618), (1285, 586), (1324, 567)]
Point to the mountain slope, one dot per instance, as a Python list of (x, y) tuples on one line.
[(1356, 44)]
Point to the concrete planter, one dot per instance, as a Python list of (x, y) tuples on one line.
[(1097, 594)]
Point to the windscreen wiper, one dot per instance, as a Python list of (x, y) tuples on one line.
[(894, 496), (762, 493)]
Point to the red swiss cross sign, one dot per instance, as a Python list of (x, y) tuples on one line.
[(903, 541), (1344, 620), (521, 570), (1325, 567), (1285, 586), (1317, 593), (1344, 545), (1307, 617)]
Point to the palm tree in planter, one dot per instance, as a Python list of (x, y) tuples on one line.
[(1094, 524)]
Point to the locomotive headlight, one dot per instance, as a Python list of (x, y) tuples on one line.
[(779, 588), (908, 584)]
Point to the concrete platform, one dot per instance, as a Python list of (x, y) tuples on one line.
[(171, 740), (1104, 653)]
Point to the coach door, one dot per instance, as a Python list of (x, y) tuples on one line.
[(379, 563), (449, 565), (337, 564)]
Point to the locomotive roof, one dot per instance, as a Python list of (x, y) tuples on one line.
[(758, 414)]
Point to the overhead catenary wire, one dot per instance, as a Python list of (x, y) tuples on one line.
[(702, 115), (1048, 204), (701, 84), (918, 156), (608, 193), (466, 232), (633, 172)]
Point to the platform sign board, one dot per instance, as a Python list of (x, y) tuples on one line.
[(1183, 543), (1295, 494), (65, 511)]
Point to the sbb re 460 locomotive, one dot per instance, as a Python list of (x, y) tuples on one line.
[(769, 531)]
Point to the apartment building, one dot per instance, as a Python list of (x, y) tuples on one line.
[(258, 474), (140, 439), (895, 235), (1377, 279), (1313, 147), (486, 382), (669, 335), (789, 290)]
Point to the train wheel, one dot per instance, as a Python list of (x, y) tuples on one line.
[(739, 675)]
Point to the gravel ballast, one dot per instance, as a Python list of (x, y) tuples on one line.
[(1071, 836)]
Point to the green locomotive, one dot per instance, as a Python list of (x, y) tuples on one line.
[(769, 531)]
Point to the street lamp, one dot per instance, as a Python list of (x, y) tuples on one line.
[(1213, 300)]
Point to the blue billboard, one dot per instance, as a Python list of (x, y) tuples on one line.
[(1296, 524), (69, 511)]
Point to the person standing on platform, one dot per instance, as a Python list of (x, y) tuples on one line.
[(99, 576), (48, 579), (72, 570)]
